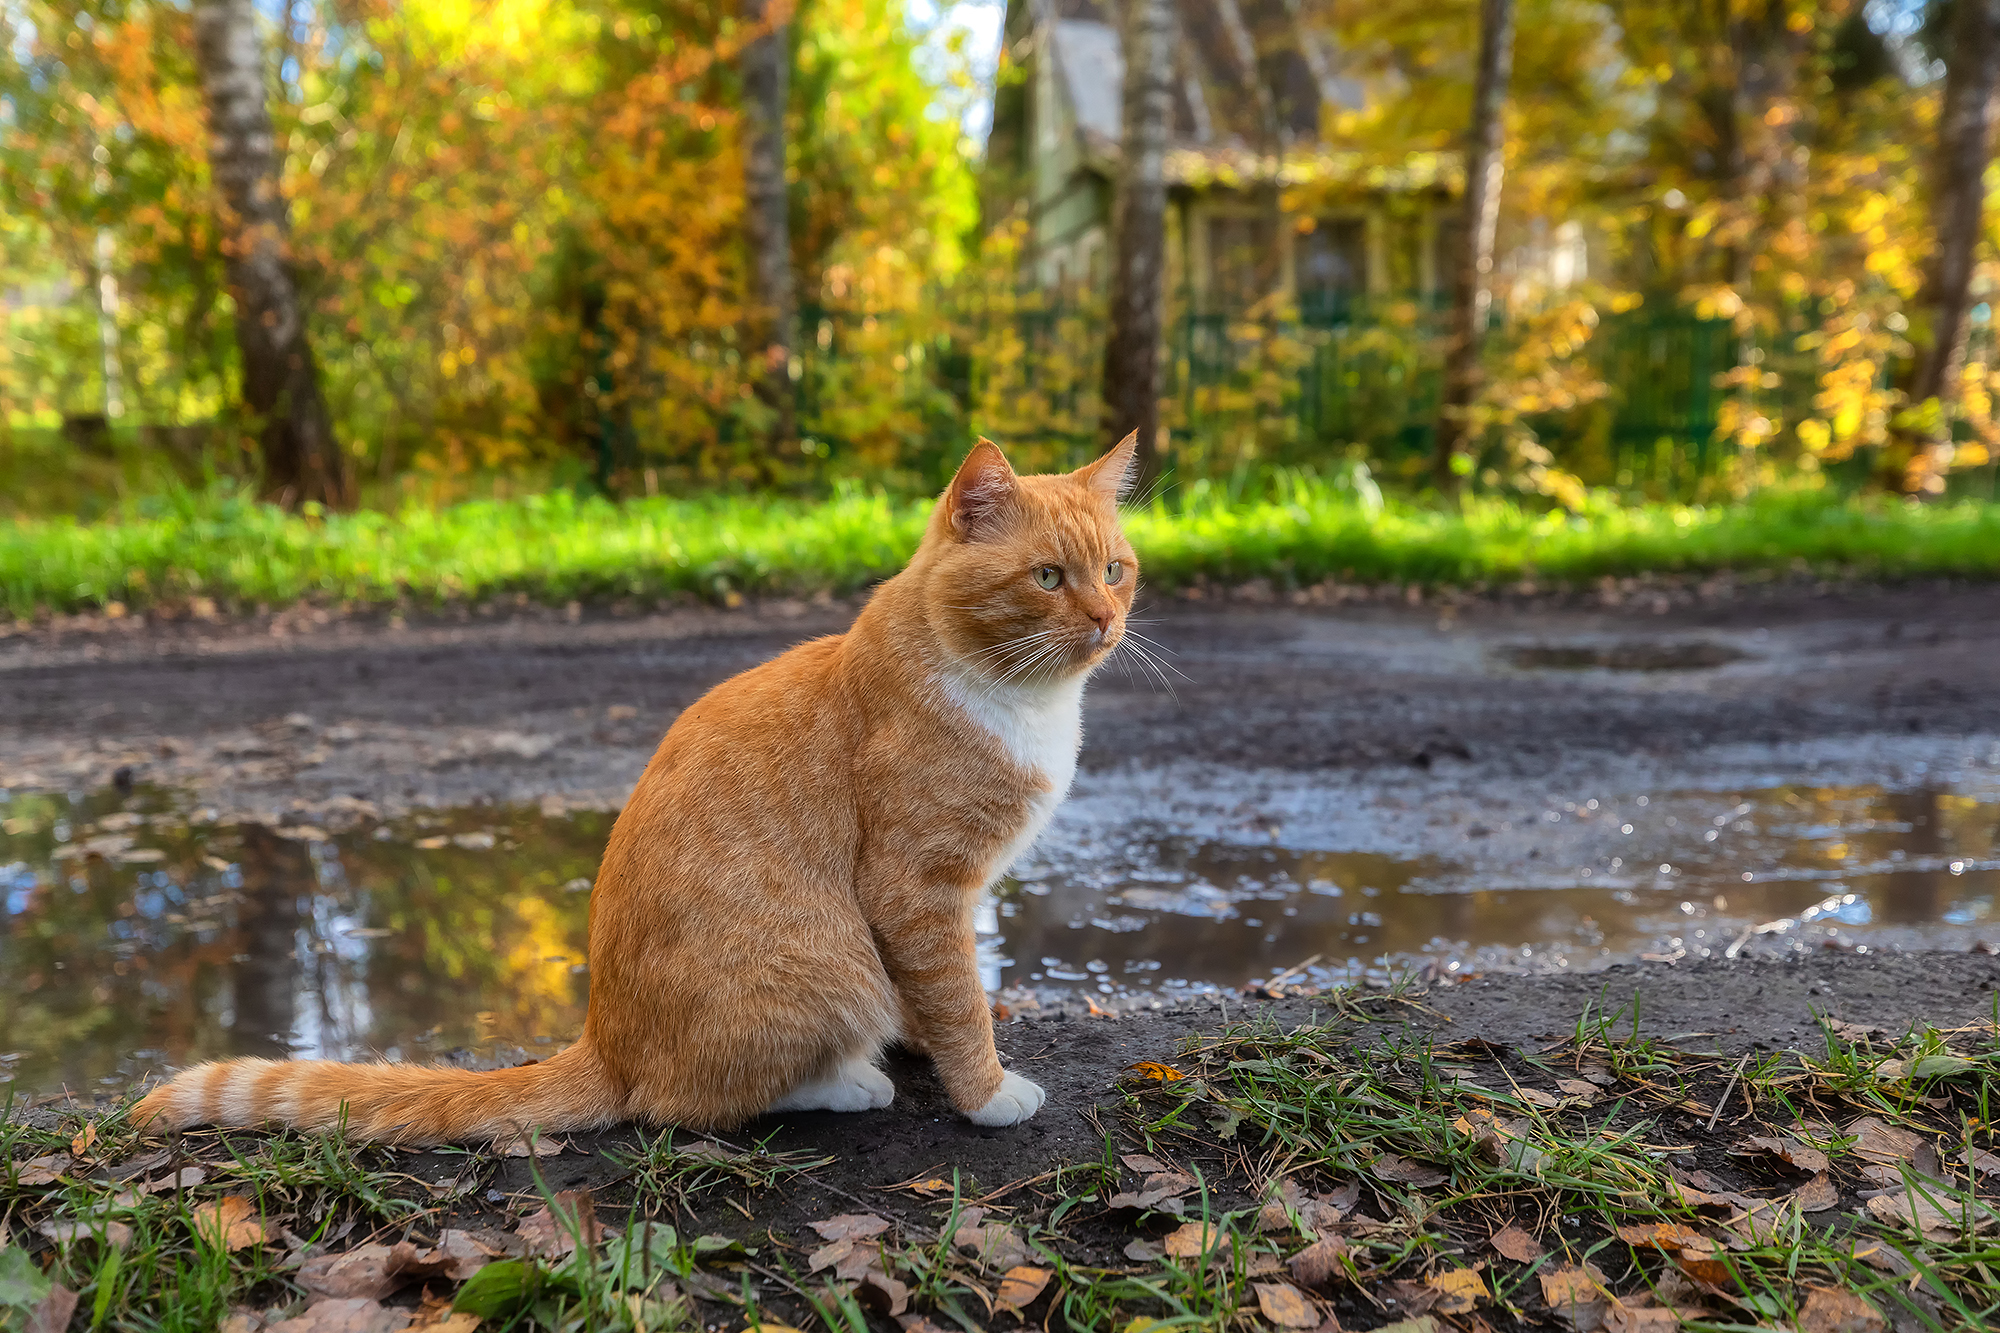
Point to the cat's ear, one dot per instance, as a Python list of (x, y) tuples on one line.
[(981, 492), (1113, 474)]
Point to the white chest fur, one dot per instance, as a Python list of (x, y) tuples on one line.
[(1041, 728)]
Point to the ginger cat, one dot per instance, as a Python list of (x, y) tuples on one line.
[(791, 886)]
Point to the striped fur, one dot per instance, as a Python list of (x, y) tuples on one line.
[(791, 884)]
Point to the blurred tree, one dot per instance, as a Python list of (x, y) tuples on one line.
[(1472, 297), (766, 64), (1921, 444), (302, 459), (1138, 237)]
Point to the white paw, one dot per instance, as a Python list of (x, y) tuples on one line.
[(1016, 1101), (855, 1086)]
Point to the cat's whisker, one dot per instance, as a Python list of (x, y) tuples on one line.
[(1142, 643), (1153, 664)]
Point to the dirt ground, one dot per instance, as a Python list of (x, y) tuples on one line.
[(332, 718)]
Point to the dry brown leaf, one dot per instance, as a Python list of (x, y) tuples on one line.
[(1914, 1211), (1882, 1143), (881, 1293), (1405, 1171), (1285, 1305), (228, 1222), (1145, 1251), (459, 1321), (996, 1245), (361, 1273), (851, 1226), (1512, 1242), (1318, 1263), (1020, 1287), (1980, 1162), (1576, 1087), (51, 1314), (1817, 1195), (1193, 1239), (1662, 1236), (1421, 1324), (1144, 1165), (540, 1147), (1459, 1289), (1576, 1296), (911, 1323), (1833, 1310), (44, 1170), (463, 1253), (551, 1231), (69, 1231), (85, 1137), (1536, 1097), (1701, 1263), (184, 1179), (1620, 1317), (345, 1315), (1412, 1297), (1790, 1151)]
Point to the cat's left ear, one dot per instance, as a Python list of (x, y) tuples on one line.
[(1112, 475)]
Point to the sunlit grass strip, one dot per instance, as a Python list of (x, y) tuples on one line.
[(1293, 530)]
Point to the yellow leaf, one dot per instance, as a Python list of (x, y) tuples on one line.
[(1020, 1287), (1153, 1069), (81, 1143), (1284, 1305), (228, 1223), (1462, 1288)]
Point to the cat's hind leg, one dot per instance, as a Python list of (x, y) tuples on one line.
[(855, 1084)]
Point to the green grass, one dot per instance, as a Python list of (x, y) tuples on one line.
[(1294, 529)]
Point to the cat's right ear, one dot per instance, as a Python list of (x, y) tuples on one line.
[(981, 492)]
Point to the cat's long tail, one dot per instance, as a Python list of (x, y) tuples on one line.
[(390, 1103)]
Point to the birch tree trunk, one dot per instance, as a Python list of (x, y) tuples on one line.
[(1472, 293), (766, 69), (1139, 237), (1919, 453), (301, 459)]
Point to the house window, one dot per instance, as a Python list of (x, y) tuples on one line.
[(1242, 261), (1331, 266)]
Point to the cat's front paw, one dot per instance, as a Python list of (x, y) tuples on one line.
[(1016, 1101)]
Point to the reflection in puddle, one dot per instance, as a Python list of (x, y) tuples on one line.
[(135, 934)]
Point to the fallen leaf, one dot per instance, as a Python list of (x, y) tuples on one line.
[(1153, 1069), (911, 1323), (1790, 1151), (1422, 1324), (69, 1231), (1914, 1211), (1405, 1171), (85, 1137), (463, 1321), (1145, 1251), (553, 1230), (929, 1188), (1318, 1263), (1833, 1310), (1702, 1263), (1662, 1236), (1536, 1097), (1413, 1297), (1882, 1143), (463, 1253), (1020, 1287), (359, 1273), (848, 1257), (346, 1315), (1193, 1239), (184, 1179), (1512, 1242), (996, 1245), (228, 1222), (1980, 1162), (51, 1314), (1620, 1317), (1579, 1088), (1459, 1289), (1144, 1165), (44, 1170), (850, 1226), (1817, 1195), (881, 1293), (1284, 1305), (1576, 1296)]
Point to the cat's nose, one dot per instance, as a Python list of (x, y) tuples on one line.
[(1104, 618)]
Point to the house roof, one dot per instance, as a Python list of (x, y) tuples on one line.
[(1251, 80)]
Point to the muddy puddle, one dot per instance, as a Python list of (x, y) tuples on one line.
[(137, 932)]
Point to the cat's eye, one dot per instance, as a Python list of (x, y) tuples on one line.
[(1114, 572), (1049, 577)]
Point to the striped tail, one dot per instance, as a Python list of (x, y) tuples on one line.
[(385, 1103)]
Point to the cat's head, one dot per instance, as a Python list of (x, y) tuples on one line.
[(1030, 578)]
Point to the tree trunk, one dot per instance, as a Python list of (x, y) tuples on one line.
[(302, 460), (1139, 238), (1472, 294), (1918, 454), (766, 71)]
